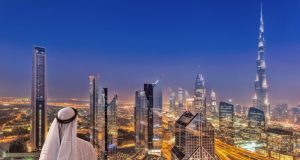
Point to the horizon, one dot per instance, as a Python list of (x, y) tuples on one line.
[(128, 46)]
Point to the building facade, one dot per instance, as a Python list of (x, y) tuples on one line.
[(260, 99), (140, 120), (200, 96), (38, 99), (226, 118)]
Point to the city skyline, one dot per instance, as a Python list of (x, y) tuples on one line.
[(217, 63)]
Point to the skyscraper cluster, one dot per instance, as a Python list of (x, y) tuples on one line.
[(148, 118)]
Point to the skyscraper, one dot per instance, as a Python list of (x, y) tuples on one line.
[(94, 109), (261, 98), (38, 99), (154, 117), (108, 134), (194, 138), (112, 129), (200, 97), (213, 102), (181, 99), (140, 120), (226, 113), (172, 101), (256, 123)]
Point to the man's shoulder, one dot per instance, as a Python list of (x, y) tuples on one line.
[(83, 142)]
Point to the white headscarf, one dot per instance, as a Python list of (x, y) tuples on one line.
[(61, 142)]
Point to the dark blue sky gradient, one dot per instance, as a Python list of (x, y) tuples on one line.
[(129, 43)]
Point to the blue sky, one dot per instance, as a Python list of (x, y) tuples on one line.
[(128, 43)]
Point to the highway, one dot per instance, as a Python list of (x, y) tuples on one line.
[(228, 152)]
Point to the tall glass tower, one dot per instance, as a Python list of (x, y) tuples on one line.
[(140, 119), (200, 98), (38, 99), (153, 93), (94, 109), (261, 98)]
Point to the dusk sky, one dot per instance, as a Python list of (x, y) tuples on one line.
[(129, 43)]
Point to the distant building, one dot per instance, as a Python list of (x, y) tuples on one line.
[(213, 103), (109, 129), (172, 102), (38, 99), (181, 99), (140, 120), (226, 117), (154, 117), (280, 113), (261, 97), (94, 110), (256, 122), (189, 103), (200, 96), (194, 138)]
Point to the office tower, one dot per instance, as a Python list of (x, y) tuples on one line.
[(112, 129), (200, 98), (194, 138), (140, 120), (38, 99), (94, 109), (172, 101), (154, 117), (189, 104), (109, 128), (213, 102), (180, 99), (261, 98), (226, 113), (256, 122)]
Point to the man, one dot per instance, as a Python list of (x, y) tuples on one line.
[(62, 142)]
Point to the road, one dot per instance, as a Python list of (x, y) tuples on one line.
[(228, 152)]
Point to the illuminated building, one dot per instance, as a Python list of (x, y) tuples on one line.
[(256, 122), (280, 113), (109, 129), (200, 98), (94, 109), (280, 140), (181, 99), (261, 98), (140, 120), (154, 118), (189, 103), (238, 109), (172, 101), (226, 114), (194, 138), (213, 102), (38, 99)]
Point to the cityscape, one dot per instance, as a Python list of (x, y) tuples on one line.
[(155, 119)]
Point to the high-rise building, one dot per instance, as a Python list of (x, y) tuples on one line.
[(213, 102), (112, 129), (108, 135), (194, 138), (154, 117), (226, 114), (94, 110), (200, 97), (181, 99), (256, 123), (261, 97), (38, 99), (140, 120), (172, 101)]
